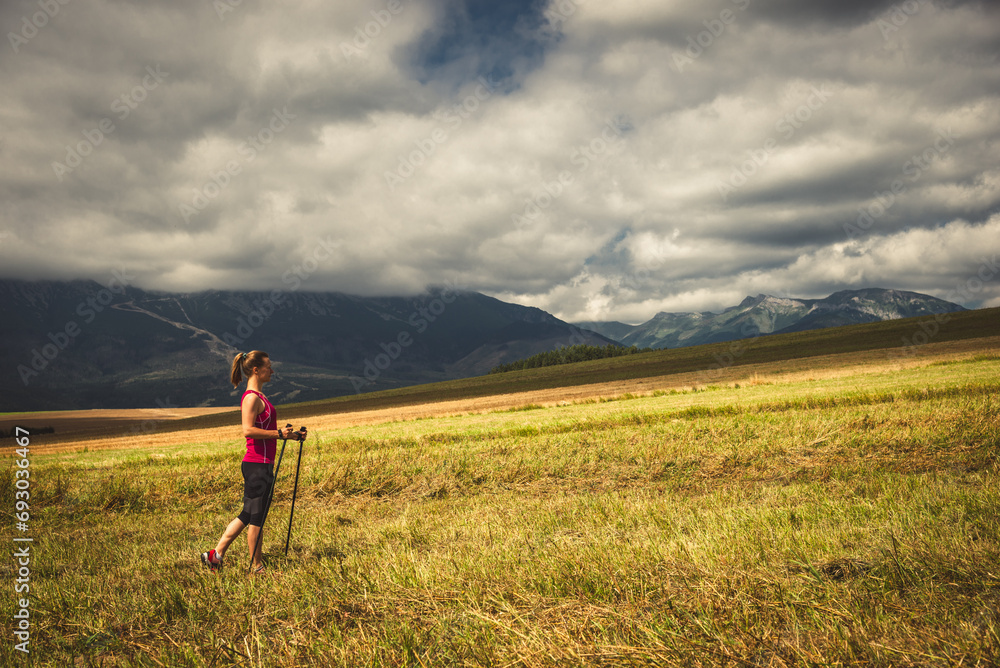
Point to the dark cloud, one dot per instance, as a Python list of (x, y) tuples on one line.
[(274, 131)]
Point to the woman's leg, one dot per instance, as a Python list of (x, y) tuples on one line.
[(259, 487), (255, 533), (228, 536)]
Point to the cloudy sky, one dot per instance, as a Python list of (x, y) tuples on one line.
[(600, 160)]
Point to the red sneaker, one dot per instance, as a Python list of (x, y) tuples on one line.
[(212, 560)]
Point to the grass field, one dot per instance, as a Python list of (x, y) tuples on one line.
[(805, 513), (903, 342)]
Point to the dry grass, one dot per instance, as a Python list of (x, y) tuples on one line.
[(840, 514), (155, 428)]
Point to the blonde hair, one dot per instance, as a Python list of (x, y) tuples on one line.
[(245, 363)]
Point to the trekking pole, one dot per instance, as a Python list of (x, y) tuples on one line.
[(267, 508), (291, 514)]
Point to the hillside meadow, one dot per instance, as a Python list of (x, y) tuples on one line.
[(826, 515)]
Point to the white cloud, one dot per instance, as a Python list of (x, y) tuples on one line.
[(639, 223)]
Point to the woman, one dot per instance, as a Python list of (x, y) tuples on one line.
[(261, 431)]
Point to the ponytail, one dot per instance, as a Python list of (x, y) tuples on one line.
[(244, 364)]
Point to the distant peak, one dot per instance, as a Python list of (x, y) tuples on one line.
[(753, 301)]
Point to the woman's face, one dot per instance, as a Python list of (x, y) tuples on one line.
[(264, 372)]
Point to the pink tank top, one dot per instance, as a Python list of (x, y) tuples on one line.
[(259, 450)]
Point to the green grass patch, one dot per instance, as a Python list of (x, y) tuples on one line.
[(848, 521), (890, 337)]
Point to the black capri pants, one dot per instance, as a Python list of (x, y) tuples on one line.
[(257, 482)]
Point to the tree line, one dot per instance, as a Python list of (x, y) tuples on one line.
[(568, 355)]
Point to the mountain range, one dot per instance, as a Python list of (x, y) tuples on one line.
[(764, 314), (81, 345)]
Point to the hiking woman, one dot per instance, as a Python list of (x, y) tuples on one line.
[(260, 427)]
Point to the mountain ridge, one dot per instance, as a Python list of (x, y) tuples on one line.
[(78, 344), (766, 314)]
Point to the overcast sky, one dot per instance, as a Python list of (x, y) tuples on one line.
[(600, 160)]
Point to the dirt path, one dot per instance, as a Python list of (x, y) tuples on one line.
[(87, 424)]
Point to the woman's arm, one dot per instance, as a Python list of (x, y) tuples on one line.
[(250, 409)]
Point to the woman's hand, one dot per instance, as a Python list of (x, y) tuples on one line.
[(299, 435)]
